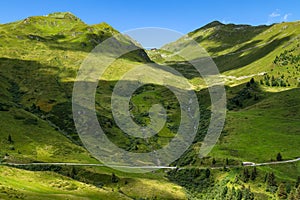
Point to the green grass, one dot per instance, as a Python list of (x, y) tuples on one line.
[(257, 133), (15, 184), (43, 142), (37, 74), (38, 66)]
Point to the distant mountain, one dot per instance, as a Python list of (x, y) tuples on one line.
[(252, 48)]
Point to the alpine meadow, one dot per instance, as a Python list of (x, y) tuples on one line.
[(257, 155)]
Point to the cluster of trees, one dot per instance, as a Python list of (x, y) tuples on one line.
[(275, 82), (243, 193), (289, 60), (247, 93), (285, 192), (200, 184), (282, 190), (287, 57), (194, 180), (249, 174)]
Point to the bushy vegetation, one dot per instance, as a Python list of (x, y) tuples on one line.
[(285, 70)]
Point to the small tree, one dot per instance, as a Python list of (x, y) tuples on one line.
[(224, 192), (9, 139), (72, 172), (253, 174), (279, 157), (233, 193), (239, 195), (252, 81), (227, 161), (297, 194), (261, 82), (281, 193), (207, 173), (271, 179), (292, 196), (298, 182), (114, 178), (213, 161), (246, 175), (248, 195)]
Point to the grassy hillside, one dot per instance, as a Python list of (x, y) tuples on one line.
[(39, 59), (21, 184), (260, 67), (242, 50), (260, 131), (38, 65)]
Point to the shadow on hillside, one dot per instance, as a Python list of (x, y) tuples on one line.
[(231, 35), (235, 61), (41, 92), (253, 45), (47, 88), (88, 43)]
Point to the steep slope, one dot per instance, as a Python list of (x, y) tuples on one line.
[(240, 51), (260, 67), (39, 65), (39, 59)]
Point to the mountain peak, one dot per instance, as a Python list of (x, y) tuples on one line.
[(213, 24), (63, 15), (54, 19), (207, 26)]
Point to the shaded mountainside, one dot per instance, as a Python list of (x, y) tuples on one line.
[(40, 57), (240, 50)]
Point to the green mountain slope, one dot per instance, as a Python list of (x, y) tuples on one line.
[(260, 67), (242, 50), (39, 59)]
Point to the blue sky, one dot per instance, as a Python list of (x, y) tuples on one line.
[(183, 16)]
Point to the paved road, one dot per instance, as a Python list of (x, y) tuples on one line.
[(251, 164), (92, 165), (277, 162)]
